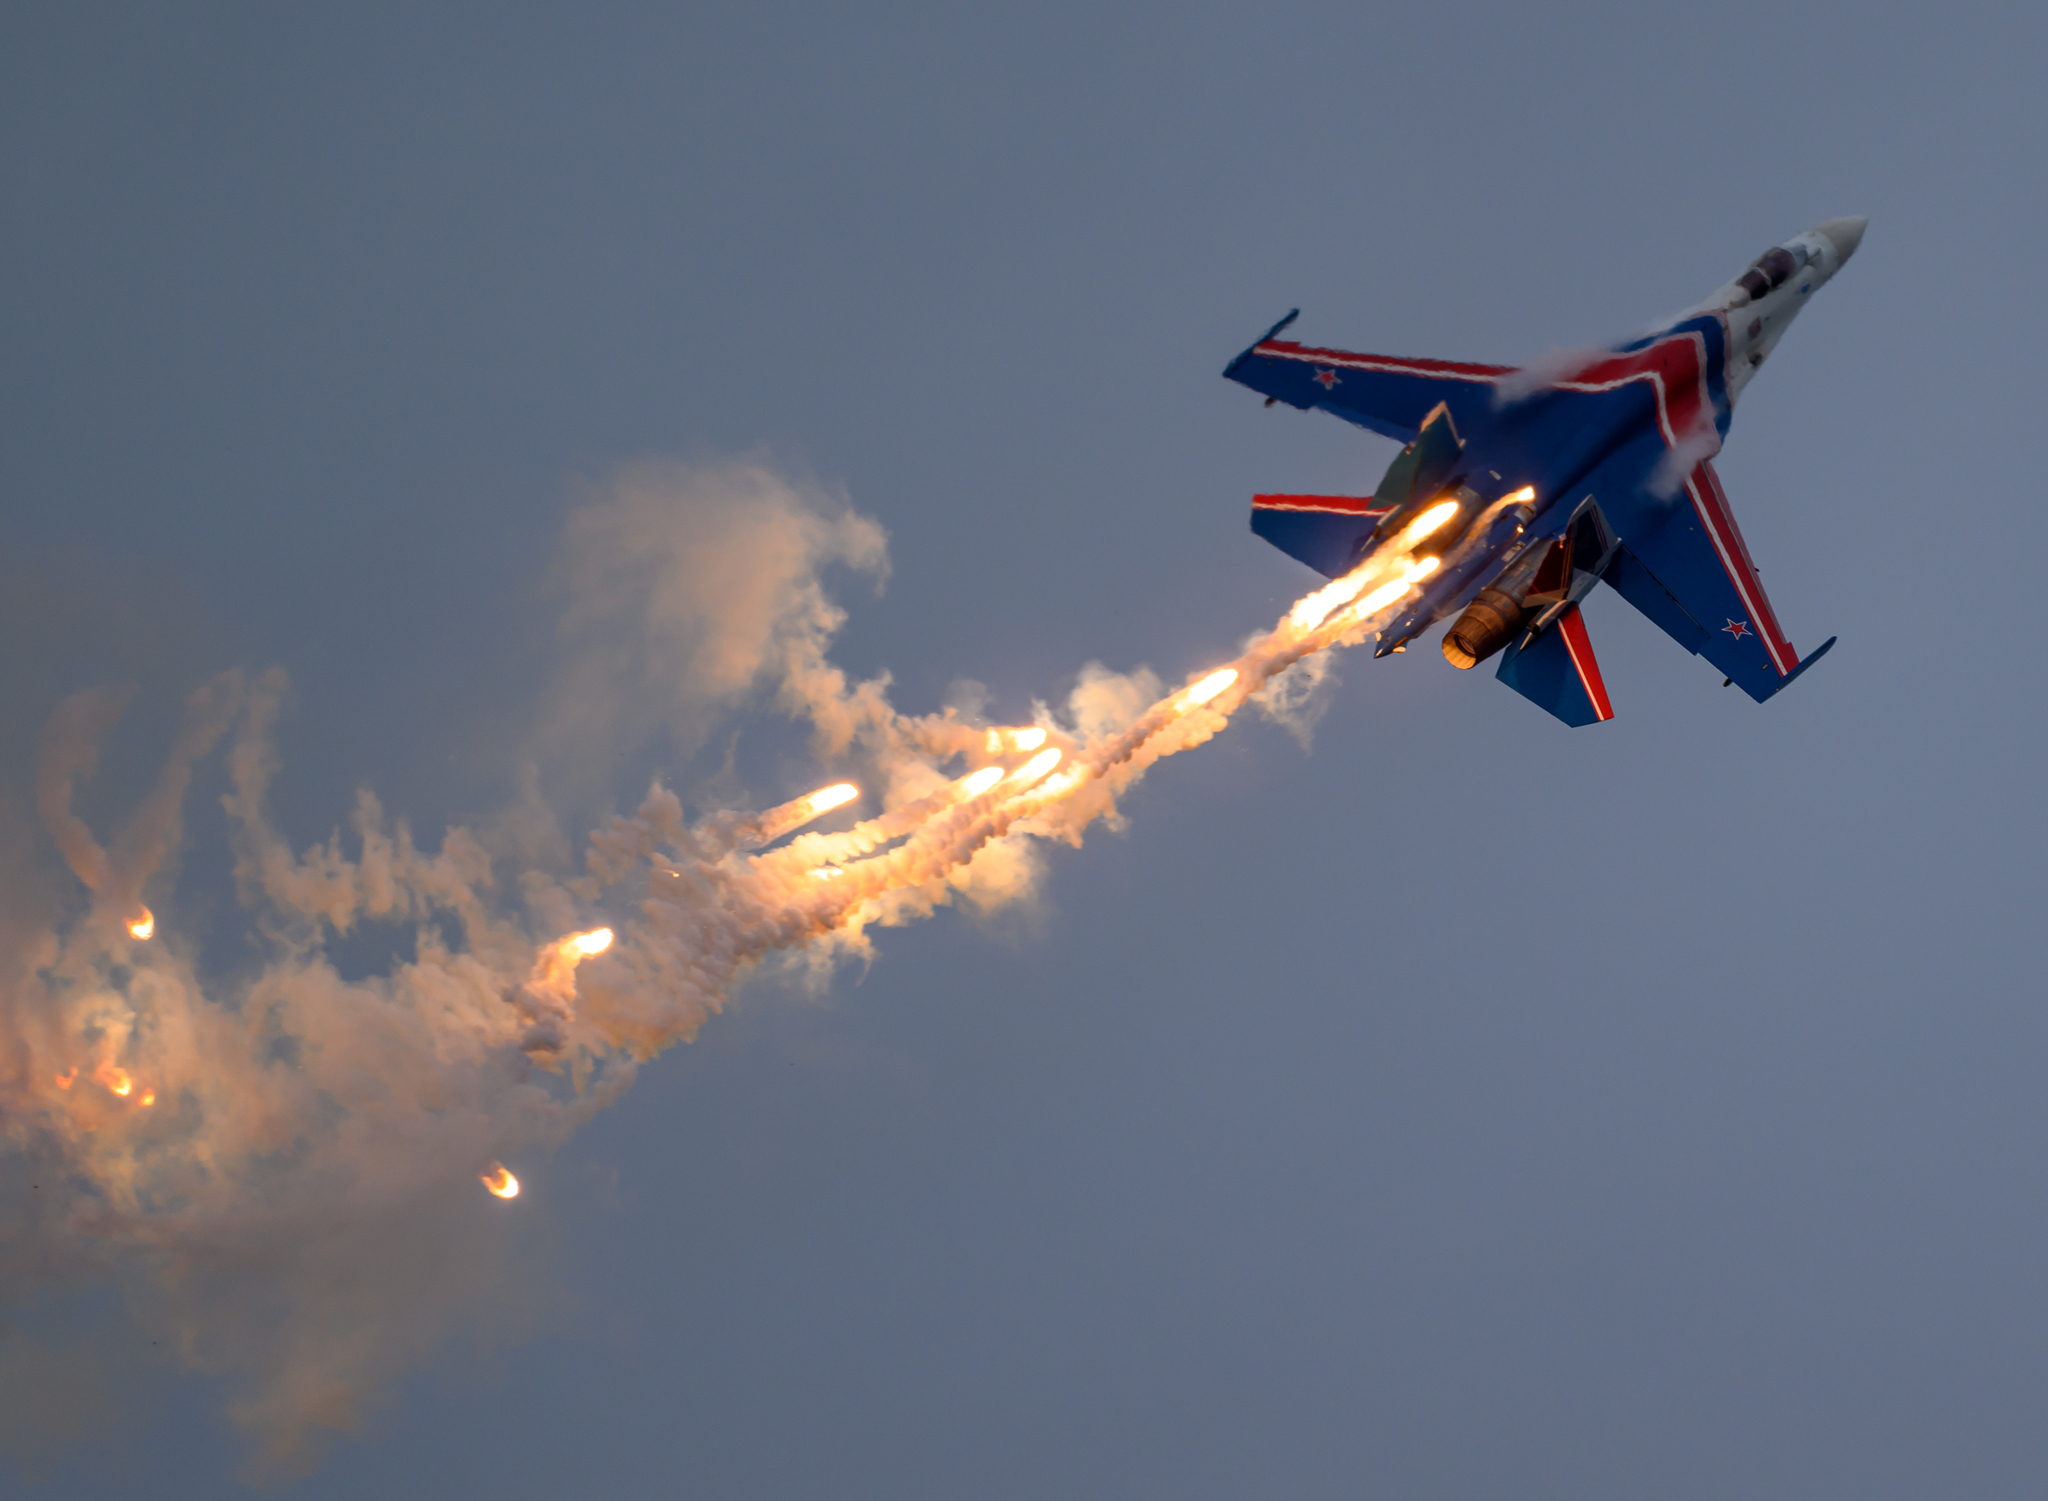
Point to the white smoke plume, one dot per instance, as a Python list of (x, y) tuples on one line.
[(1698, 443), (1298, 698), (1546, 370), (280, 1166)]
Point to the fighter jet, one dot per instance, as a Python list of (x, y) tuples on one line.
[(1530, 486)]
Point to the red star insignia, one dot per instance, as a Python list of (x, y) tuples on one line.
[(1736, 628), (1324, 378)]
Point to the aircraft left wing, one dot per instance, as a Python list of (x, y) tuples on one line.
[(1684, 564), (1383, 393)]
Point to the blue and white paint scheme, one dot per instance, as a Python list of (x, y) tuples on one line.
[(1589, 467)]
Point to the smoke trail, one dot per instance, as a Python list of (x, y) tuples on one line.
[(281, 1167)]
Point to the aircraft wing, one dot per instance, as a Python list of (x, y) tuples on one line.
[(1384, 393), (1683, 563)]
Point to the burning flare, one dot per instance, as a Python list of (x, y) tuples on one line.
[(499, 1180), (825, 799), (143, 926), (1428, 522), (981, 781), (1037, 766), (553, 981), (1209, 687), (1386, 594), (766, 828)]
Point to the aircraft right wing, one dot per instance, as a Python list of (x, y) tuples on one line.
[(1383, 393)]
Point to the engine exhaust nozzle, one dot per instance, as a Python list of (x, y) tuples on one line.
[(1486, 626)]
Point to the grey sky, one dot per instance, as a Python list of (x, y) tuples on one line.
[(1468, 1106)]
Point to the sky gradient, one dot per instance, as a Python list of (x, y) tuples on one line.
[(1462, 1106)]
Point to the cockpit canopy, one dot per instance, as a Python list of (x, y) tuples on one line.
[(1770, 271)]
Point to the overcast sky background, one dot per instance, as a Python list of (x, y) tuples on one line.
[(1466, 1107)]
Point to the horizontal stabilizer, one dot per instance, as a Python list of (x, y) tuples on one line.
[(1558, 672), (1327, 532)]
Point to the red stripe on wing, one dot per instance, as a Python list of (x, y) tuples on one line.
[(1348, 505), (1675, 366), (1344, 359), (1711, 501)]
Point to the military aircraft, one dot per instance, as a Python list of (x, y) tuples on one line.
[(1590, 466)]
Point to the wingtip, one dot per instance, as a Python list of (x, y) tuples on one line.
[(1812, 657), (1277, 329), (1230, 370)]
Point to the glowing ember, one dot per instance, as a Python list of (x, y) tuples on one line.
[(1428, 522), (1037, 766), (148, 1097), (64, 1081), (1209, 687), (588, 945), (981, 781), (116, 1079), (499, 1180), (142, 926), (825, 799)]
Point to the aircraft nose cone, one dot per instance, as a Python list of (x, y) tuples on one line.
[(1844, 234)]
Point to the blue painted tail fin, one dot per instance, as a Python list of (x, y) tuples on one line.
[(1557, 672)]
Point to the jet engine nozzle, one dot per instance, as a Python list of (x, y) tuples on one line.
[(1487, 625)]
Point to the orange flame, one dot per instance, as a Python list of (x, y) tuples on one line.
[(1037, 766), (981, 781), (64, 1081), (499, 1180), (1310, 609), (1428, 522), (825, 799), (148, 1097), (143, 926), (116, 1079), (1387, 593), (1060, 785), (554, 972), (1209, 687)]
